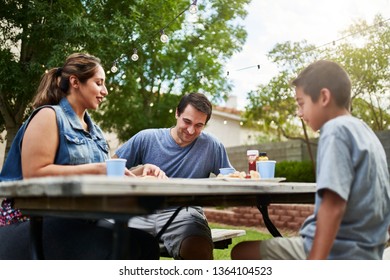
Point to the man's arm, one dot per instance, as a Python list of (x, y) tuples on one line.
[(329, 217)]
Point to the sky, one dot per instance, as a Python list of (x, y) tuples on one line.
[(276, 21)]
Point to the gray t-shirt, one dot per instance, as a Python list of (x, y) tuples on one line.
[(156, 146), (351, 162)]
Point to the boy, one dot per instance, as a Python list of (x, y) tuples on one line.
[(352, 204)]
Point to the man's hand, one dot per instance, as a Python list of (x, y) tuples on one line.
[(153, 170)]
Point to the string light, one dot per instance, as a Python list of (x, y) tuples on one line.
[(164, 37), (114, 69), (296, 55), (193, 8), (134, 56)]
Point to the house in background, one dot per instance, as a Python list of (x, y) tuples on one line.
[(226, 124)]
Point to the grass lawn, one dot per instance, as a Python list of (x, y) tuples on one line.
[(251, 234)]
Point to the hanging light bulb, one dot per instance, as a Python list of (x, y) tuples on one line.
[(193, 8), (114, 69), (164, 37), (134, 57)]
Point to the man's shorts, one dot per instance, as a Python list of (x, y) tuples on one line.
[(280, 248), (190, 221)]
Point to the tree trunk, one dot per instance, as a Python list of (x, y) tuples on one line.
[(10, 120), (11, 132), (309, 147)]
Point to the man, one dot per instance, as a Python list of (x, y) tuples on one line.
[(182, 151)]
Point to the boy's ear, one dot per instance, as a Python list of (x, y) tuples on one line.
[(325, 96)]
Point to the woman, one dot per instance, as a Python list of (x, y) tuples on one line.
[(60, 138)]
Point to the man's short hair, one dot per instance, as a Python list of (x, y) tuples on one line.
[(199, 101)]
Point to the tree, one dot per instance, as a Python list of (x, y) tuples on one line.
[(145, 92), (369, 68), (37, 35), (34, 35), (272, 107)]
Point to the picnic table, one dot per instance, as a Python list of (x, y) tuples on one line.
[(119, 198)]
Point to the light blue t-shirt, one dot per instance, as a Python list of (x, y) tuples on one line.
[(351, 162), (156, 146)]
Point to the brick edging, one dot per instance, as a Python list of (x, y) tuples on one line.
[(284, 216)]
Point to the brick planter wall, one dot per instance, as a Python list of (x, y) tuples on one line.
[(284, 216)]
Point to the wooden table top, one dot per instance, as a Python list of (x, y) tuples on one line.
[(124, 195)]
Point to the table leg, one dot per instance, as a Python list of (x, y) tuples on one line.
[(263, 208), (168, 223), (36, 244), (121, 240)]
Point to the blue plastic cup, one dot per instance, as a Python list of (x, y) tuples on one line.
[(266, 168), (116, 167), (226, 171)]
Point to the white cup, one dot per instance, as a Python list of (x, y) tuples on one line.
[(116, 166)]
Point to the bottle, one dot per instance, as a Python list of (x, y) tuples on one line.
[(252, 156), (262, 156)]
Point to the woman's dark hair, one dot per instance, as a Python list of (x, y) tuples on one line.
[(54, 83)]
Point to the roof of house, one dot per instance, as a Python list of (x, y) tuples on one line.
[(228, 110)]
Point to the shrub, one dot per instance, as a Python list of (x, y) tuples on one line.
[(295, 171)]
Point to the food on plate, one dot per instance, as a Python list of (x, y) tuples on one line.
[(241, 175), (254, 174)]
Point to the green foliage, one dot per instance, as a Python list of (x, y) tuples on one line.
[(145, 92), (272, 106), (368, 65), (35, 35), (38, 35), (295, 171)]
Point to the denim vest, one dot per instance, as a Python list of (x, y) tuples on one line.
[(76, 146)]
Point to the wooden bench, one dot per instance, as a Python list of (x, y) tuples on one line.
[(222, 238)]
